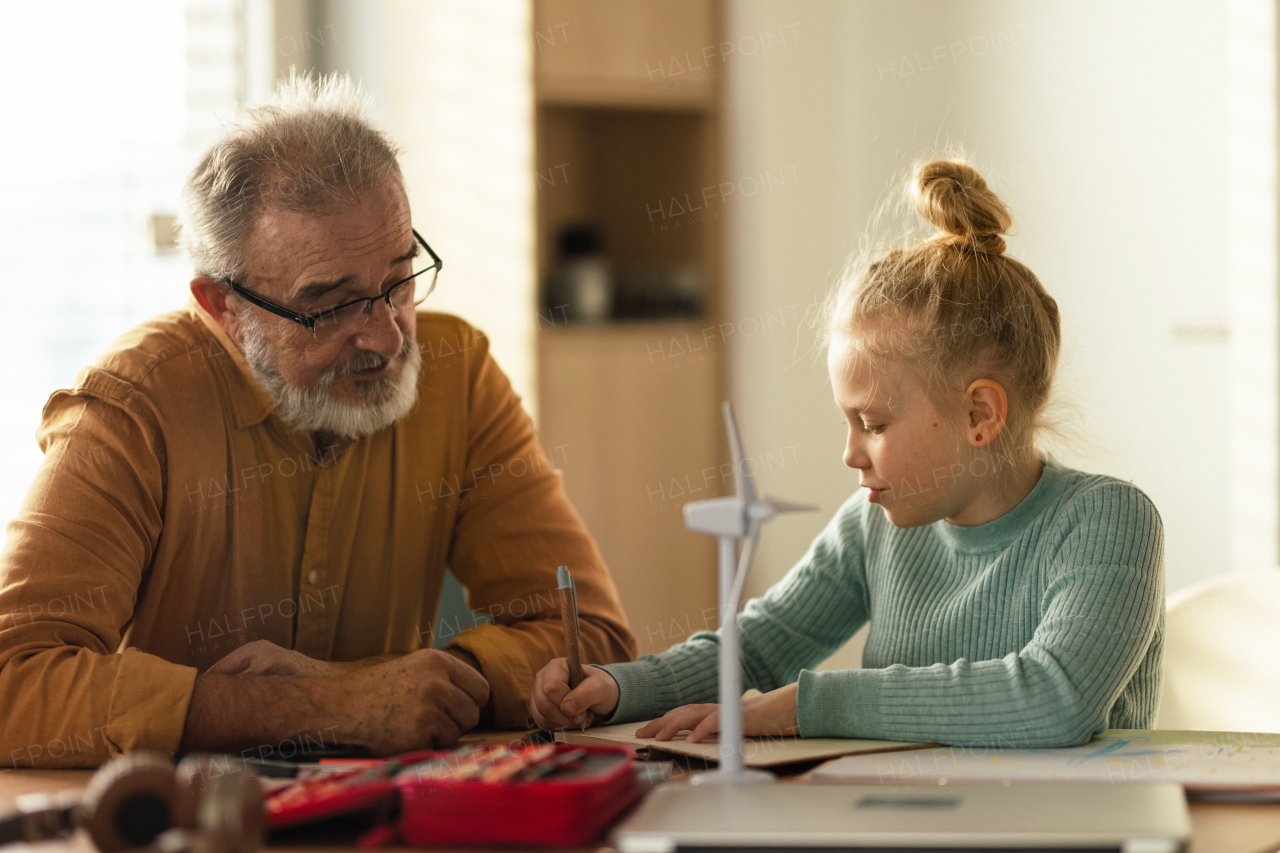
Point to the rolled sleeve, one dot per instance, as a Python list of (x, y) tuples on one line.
[(149, 699)]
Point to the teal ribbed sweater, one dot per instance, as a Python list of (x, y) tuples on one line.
[(1039, 628)]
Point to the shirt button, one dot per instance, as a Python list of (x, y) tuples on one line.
[(313, 577)]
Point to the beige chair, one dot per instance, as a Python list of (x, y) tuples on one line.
[(1222, 655)]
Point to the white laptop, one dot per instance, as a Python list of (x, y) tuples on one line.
[(794, 816)]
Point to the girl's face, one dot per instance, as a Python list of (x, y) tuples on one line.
[(915, 462)]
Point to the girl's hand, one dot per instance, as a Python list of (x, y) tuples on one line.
[(555, 706), (773, 713)]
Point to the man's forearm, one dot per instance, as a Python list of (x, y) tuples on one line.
[(340, 667), (230, 713)]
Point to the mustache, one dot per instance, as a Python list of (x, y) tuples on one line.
[(367, 360)]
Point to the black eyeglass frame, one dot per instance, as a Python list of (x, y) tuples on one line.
[(309, 320)]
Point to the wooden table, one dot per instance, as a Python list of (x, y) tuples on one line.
[(1216, 827)]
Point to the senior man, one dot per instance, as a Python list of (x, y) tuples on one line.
[(240, 532)]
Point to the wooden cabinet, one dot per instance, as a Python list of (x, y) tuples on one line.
[(638, 425), (628, 141), (658, 53)]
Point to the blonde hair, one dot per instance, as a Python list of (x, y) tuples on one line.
[(953, 307), (312, 147)]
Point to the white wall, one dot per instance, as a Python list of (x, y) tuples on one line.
[(453, 80), (1255, 380), (1103, 125)]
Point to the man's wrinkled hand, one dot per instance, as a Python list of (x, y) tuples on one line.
[(422, 700), (262, 657)]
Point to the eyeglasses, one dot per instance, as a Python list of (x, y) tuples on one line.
[(348, 318)]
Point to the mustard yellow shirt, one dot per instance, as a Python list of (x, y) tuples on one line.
[(175, 518)]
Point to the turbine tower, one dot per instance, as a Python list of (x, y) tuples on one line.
[(732, 519)]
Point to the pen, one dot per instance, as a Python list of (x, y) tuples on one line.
[(569, 618)]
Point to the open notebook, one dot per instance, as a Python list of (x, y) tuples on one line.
[(757, 751)]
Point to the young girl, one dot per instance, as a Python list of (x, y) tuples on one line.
[(1012, 600)]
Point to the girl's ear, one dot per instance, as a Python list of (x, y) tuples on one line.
[(987, 408)]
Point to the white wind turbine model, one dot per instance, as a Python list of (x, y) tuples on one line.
[(732, 519)]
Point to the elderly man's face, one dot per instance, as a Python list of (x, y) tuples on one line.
[(309, 263)]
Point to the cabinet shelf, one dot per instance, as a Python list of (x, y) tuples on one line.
[(640, 179), (625, 94)]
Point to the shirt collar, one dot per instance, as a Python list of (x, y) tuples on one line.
[(250, 403)]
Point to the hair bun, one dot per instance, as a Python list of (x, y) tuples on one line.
[(953, 196)]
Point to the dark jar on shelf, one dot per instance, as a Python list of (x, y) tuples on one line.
[(581, 287)]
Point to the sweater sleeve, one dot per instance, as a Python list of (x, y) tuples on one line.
[(1100, 614), (799, 622)]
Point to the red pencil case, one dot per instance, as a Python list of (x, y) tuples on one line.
[(566, 809)]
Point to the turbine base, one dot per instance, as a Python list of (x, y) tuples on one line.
[(721, 777)]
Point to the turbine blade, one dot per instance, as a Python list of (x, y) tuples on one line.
[(778, 505), (744, 565), (743, 484)]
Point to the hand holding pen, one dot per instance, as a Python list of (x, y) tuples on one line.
[(566, 693), (555, 706), (572, 630)]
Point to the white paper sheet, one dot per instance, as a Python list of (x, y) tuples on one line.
[(1200, 761), (757, 752)]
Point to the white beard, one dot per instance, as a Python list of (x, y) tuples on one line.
[(385, 400)]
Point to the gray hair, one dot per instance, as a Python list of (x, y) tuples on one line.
[(312, 147)]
